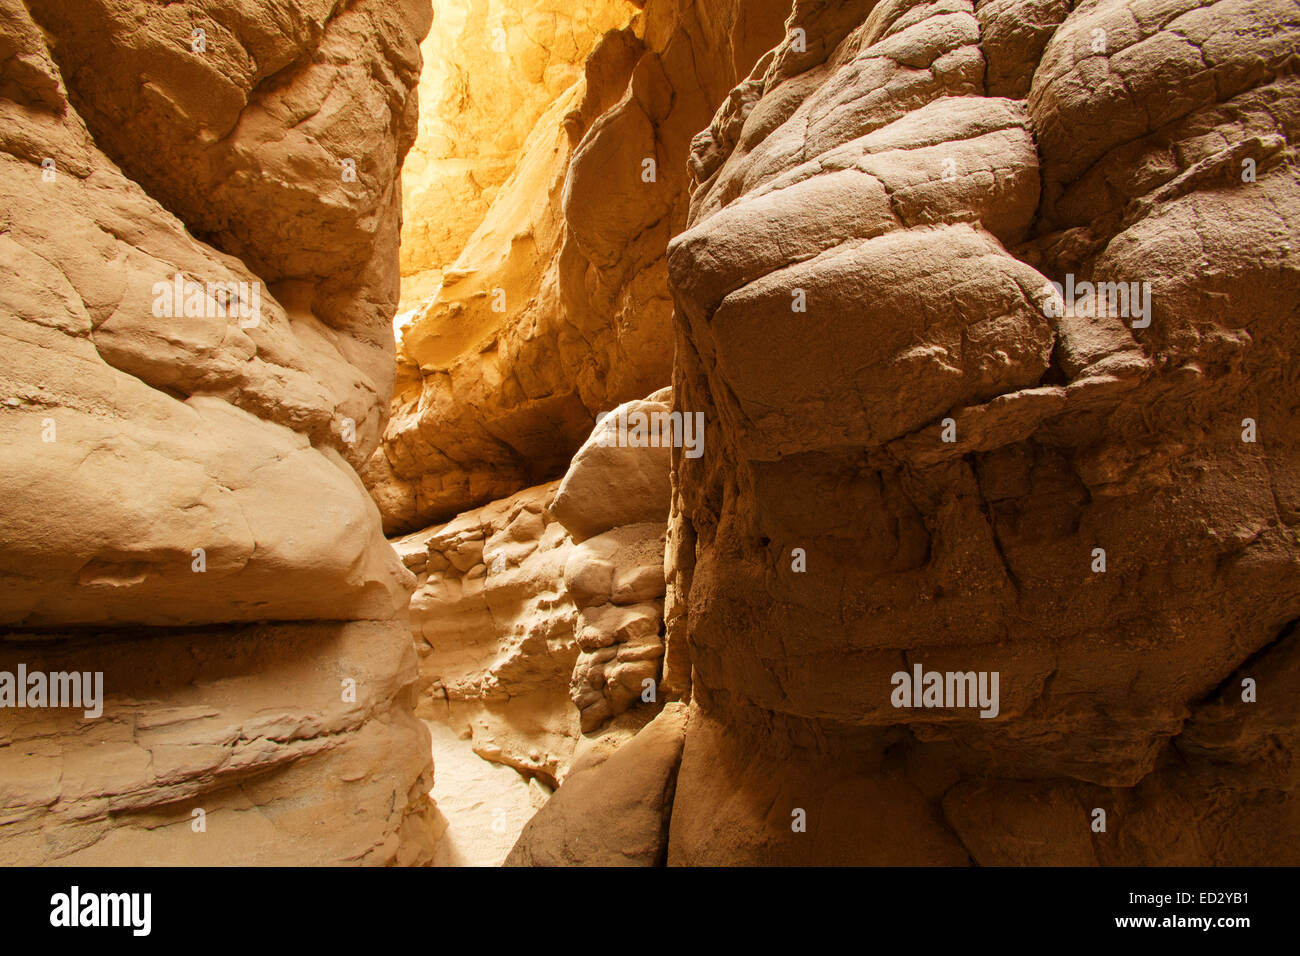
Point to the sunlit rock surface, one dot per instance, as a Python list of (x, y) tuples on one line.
[(556, 307), (180, 508)]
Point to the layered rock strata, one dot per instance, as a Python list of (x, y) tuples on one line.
[(200, 226), (986, 310)]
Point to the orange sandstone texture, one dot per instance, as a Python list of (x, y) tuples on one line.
[(852, 235), (492, 68), (924, 450)]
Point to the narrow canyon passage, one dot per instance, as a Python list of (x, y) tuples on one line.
[(535, 300), (649, 432)]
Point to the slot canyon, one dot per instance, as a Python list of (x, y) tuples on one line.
[(649, 432)]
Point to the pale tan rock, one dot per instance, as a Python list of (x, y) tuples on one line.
[(253, 726), (483, 805), (616, 581), (122, 425), (245, 141), (536, 653), (620, 474), (614, 813), (611, 501), (495, 629), (180, 507), (913, 459), (513, 619)]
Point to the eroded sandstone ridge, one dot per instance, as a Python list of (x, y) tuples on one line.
[(922, 454), (492, 69), (180, 510)]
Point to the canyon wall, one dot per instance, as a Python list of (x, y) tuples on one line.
[(535, 299), (538, 621), (927, 449), (985, 310), (556, 308), (922, 455), (201, 214), (492, 68)]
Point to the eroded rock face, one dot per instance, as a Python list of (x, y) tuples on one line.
[(494, 626), (617, 581), (925, 447), (556, 308), (921, 454), (539, 624), (491, 70), (178, 474), (614, 502), (246, 134)]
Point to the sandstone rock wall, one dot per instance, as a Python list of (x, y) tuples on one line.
[(180, 506), (557, 308), (855, 237), (491, 70), (494, 626), (917, 446), (614, 501)]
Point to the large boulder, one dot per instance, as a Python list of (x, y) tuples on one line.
[(620, 474), (613, 812)]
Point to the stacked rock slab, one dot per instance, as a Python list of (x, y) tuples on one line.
[(922, 454), (180, 508)]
